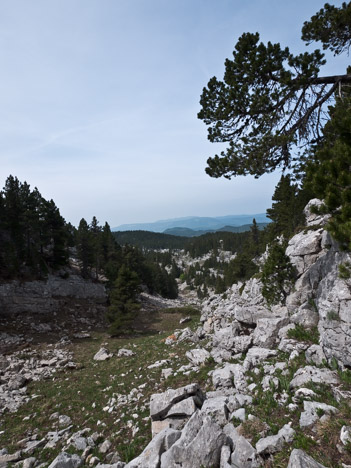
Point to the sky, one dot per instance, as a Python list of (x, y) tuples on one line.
[(99, 102)]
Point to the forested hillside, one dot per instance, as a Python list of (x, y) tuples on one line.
[(149, 240), (34, 237), (36, 240)]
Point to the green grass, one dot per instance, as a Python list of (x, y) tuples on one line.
[(299, 333), (83, 393), (186, 310)]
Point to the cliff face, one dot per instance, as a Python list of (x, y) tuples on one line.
[(321, 297), (49, 308), (42, 297)]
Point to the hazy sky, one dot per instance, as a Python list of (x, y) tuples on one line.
[(99, 101)]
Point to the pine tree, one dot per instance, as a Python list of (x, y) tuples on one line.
[(278, 275), (331, 172), (254, 239), (220, 285), (270, 100), (85, 248), (55, 233), (123, 306), (95, 231)]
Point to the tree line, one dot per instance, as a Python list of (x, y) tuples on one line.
[(35, 240)]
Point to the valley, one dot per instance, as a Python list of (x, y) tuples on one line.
[(264, 386)]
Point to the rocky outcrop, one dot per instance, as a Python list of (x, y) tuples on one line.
[(299, 459), (321, 297), (41, 297), (174, 407), (200, 444), (53, 307)]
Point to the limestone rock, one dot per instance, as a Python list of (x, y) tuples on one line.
[(102, 355), (150, 457), (299, 459), (161, 403), (250, 315), (305, 316), (292, 346), (224, 337), (29, 462), (272, 444), (165, 373), (167, 423), (224, 377), (187, 335), (313, 219), (184, 408), (244, 454), (8, 458), (162, 362), (315, 355), (266, 332), (66, 460), (315, 375), (220, 355), (345, 434), (199, 445), (310, 416), (217, 409), (305, 393), (242, 343), (105, 446), (225, 457), (123, 352), (304, 243), (197, 356), (112, 465), (43, 297), (33, 445), (256, 355), (64, 420), (232, 434), (240, 413)]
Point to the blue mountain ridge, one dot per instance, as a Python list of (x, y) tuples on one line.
[(195, 223)]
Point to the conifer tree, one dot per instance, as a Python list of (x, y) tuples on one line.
[(331, 172), (95, 231), (55, 233), (254, 239), (270, 100), (123, 300), (85, 247), (278, 275)]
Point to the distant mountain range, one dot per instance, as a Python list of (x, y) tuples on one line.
[(196, 223), (186, 232)]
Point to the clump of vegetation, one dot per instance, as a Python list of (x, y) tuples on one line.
[(253, 429), (332, 315), (299, 333), (345, 270)]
